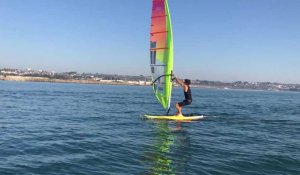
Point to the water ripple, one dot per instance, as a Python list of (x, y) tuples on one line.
[(49, 128)]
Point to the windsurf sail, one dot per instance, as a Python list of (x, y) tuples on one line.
[(161, 52)]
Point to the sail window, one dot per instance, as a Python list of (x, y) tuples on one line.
[(153, 57), (153, 44), (152, 70)]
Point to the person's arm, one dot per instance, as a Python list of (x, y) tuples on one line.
[(180, 82)]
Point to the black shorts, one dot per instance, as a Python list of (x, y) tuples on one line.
[(185, 102)]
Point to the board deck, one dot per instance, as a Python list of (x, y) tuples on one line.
[(174, 117)]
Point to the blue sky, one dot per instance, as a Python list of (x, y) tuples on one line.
[(224, 40)]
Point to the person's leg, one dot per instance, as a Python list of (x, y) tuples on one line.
[(179, 108), (179, 113)]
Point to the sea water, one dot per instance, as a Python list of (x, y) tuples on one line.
[(52, 128)]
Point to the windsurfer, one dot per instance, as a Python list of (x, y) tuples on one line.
[(187, 94)]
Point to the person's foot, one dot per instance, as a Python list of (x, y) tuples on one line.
[(179, 114)]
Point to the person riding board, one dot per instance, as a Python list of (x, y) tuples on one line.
[(187, 94)]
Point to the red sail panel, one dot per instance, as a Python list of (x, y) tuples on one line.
[(158, 25)]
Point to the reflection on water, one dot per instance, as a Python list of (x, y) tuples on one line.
[(170, 151)]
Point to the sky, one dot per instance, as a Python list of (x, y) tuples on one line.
[(217, 40)]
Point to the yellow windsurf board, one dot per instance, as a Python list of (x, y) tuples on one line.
[(174, 117)]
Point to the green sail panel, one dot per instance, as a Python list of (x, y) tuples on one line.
[(161, 52)]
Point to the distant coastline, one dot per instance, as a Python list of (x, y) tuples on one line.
[(89, 78), (86, 81)]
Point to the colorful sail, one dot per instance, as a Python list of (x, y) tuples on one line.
[(161, 52)]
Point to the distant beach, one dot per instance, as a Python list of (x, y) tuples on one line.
[(31, 75), (225, 86), (86, 81)]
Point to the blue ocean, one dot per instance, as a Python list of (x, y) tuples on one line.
[(70, 129)]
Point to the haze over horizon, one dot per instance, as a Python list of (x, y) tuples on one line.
[(233, 40)]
